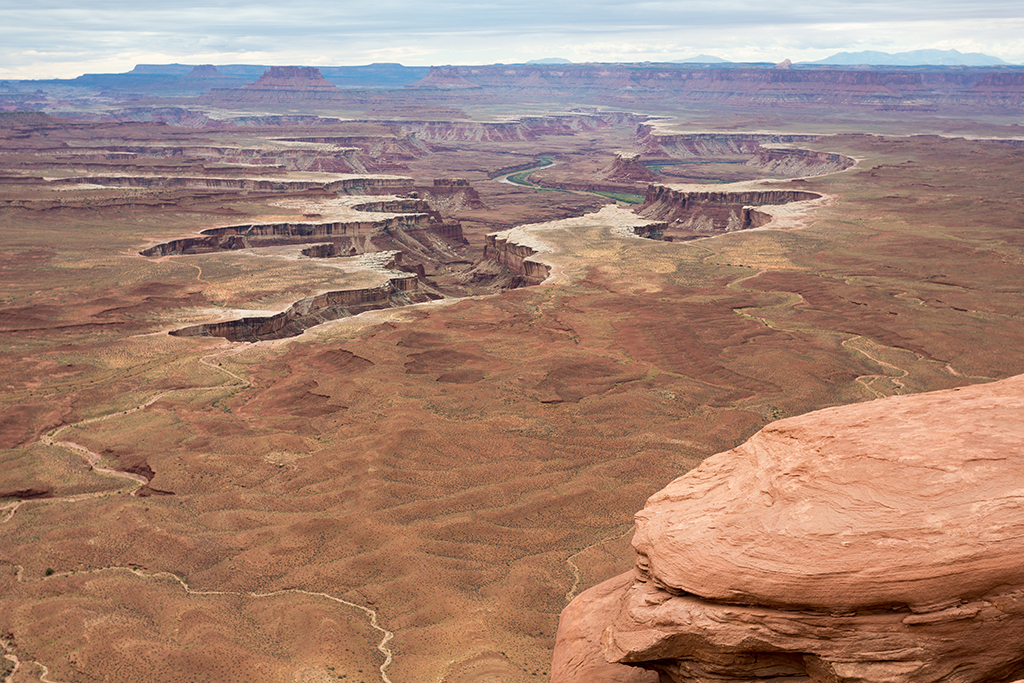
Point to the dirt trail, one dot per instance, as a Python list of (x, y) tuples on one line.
[(371, 614), (13, 507), (12, 658), (94, 458), (867, 380)]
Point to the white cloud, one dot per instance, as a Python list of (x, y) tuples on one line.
[(60, 38)]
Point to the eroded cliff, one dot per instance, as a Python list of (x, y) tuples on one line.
[(690, 211), (871, 543), (315, 310)]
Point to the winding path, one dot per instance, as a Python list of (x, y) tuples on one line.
[(11, 657), (93, 459), (382, 646), (866, 380)]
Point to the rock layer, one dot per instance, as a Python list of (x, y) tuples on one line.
[(693, 211), (877, 542), (396, 292)]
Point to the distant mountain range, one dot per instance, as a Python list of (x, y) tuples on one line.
[(912, 58)]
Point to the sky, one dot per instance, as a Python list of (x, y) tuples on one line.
[(66, 38)]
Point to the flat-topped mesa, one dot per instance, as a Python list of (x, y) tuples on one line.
[(872, 543), (207, 75), (281, 84), (691, 211), (444, 78), (297, 78), (760, 150)]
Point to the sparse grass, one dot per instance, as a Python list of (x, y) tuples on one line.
[(523, 177), (624, 197), (342, 464)]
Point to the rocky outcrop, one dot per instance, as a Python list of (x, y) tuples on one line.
[(362, 153), (791, 163), (30, 493), (451, 195), (516, 257), (700, 145), (627, 168), (758, 151), (355, 184), (871, 543), (208, 76), (314, 310), (694, 212), (267, 234)]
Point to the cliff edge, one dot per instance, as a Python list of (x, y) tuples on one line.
[(877, 542)]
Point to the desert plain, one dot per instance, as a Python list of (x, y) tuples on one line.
[(414, 484)]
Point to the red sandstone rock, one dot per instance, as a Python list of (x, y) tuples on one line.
[(578, 648), (878, 542), (628, 167)]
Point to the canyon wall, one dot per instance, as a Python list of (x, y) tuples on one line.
[(266, 234), (694, 212), (698, 145), (524, 128), (314, 310), (758, 150), (516, 257), (347, 185), (791, 163)]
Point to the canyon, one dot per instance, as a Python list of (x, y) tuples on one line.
[(331, 382)]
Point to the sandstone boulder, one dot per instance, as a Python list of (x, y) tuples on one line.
[(878, 542)]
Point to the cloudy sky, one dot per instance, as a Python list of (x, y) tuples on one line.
[(66, 38)]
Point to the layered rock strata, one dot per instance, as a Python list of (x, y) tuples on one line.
[(692, 211), (353, 233), (516, 256), (627, 167), (872, 543), (400, 290), (791, 163), (920, 89), (699, 145), (343, 183)]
